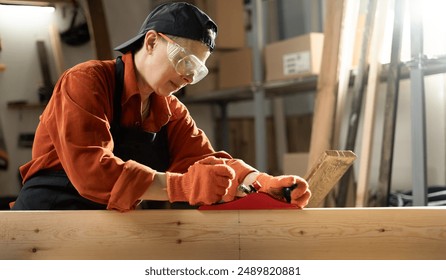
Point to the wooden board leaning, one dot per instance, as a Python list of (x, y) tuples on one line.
[(326, 172)]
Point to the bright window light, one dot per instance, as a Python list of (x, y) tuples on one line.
[(26, 10), (434, 33), (25, 16), (433, 27)]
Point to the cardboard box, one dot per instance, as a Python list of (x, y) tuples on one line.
[(213, 62), (208, 84), (295, 164), (229, 15), (294, 57), (235, 68)]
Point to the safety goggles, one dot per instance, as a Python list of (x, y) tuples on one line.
[(185, 63)]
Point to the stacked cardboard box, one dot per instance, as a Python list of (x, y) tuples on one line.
[(232, 64), (295, 163), (235, 68), (210, 82), (294, 57), (230, 54), (230, 18)]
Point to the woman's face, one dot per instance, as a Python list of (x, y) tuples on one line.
[(157, 71)]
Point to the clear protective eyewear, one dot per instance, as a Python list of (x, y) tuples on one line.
[(185, 63)]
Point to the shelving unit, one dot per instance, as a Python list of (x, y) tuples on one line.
[(269, 90), (258, 91), (26, 106), (277, 88)]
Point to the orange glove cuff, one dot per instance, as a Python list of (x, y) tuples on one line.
[(205, 182), (241, 169), (174, 192)]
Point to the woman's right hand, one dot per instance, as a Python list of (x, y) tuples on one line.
[(204, 183)]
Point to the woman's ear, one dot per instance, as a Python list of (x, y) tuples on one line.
[(150, 40)]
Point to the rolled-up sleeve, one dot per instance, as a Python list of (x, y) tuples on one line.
[(77, 120), (74, 135), (188, 143)]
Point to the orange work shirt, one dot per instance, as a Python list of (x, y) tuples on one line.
[(74, 134)]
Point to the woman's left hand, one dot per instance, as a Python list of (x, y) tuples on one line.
[(274, 185)]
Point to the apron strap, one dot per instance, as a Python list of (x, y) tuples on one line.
[(119, 86)]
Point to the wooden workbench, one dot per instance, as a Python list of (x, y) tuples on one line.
[(319, 233)]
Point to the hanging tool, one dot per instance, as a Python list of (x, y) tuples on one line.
[(46, 90), (76, 34)]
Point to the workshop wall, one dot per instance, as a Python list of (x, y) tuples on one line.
[(22, 79), (296, 20)]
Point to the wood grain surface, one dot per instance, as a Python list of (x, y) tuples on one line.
[(326, 172), (322, 233)]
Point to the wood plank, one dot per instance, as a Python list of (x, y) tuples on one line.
[(175, 234), (346, 59), (56, 46), (342, 233), (44, 64), (347, 183), (362, 195), (390, 110), (279, 118), (325, 100), (325, 173), (99, 30)]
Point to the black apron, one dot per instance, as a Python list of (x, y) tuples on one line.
[(148, 148), (50, 190), (133, 143)]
